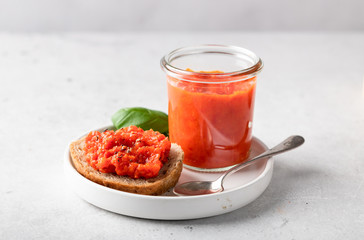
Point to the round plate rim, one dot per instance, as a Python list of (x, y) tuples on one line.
[(70, 169)]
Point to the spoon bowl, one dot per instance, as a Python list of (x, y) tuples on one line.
[(198, 188)]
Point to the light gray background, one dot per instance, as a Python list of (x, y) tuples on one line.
[(178, 15), (64, 84)]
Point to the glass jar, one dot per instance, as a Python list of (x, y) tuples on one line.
[(211, 91)]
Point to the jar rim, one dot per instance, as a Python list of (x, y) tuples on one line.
[(231, 76)]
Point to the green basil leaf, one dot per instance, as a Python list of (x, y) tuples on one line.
[(141, 117)]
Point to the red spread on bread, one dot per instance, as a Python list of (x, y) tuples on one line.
[(129, 151)]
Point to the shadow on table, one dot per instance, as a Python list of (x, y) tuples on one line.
[(286, 182)]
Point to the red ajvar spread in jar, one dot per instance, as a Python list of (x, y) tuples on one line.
[(129, 151), (212, 122)]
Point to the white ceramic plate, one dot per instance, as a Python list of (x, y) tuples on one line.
[(241, 188)]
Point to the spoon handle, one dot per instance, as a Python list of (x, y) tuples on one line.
[(288, 144)]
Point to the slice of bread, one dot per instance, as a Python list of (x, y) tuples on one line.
[(167, 178)]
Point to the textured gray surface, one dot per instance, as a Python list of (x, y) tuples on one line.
[(56, 87), (187, 15)]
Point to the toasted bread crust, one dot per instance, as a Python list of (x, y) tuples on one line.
[(167, 178)]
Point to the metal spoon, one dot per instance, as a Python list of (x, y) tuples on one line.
[(207, 187)]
